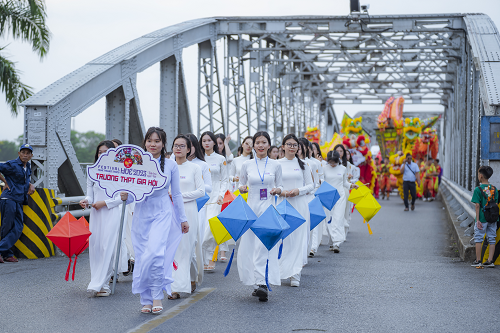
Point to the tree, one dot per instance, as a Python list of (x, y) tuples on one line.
[(25, 21), (85, 145), (8, 151)]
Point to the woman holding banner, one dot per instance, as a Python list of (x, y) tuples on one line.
[(157, 229), (105, 216), (192, 188)]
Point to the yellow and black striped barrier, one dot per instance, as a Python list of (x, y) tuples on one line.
[(37, 223)]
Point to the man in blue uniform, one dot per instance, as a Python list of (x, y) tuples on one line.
[(16, 176)]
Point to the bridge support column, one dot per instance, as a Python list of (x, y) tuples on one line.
[(117, 115), (174, 108), (169, 86)]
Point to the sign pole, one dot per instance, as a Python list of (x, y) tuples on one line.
[(118, 247)]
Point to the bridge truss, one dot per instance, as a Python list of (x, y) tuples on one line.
[(280, 74)]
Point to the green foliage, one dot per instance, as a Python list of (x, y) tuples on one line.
[(85, 145), (24, 20), (8, 151)]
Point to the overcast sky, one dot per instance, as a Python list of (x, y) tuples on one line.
[(84, 30)]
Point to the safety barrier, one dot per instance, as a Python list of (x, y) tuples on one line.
[(37, 223), (67, 201)]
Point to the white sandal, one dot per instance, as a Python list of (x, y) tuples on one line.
[(145, 309), (159, 308), (103, 293)]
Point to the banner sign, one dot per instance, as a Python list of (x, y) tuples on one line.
[(127, 168)]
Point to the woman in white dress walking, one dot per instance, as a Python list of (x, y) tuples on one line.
[(218, 171), (336, 175), (297, 182), (261, 177), (104, 225), (192, 188), (197, 156)]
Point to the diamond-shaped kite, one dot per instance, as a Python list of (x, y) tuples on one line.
[(291, 216), (228, 198), (328, 195), (316, 212), (235, 220), (71, 237), (368, 207), (270, 227), (200, 202), (220, 233), (359, 193)]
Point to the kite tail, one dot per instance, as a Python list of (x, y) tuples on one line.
[(67, 271), (280, 250), (364, 221), (216, 252), (175, 265), (330, 220), (352, 210), (74, 265), (369, 229), (228, 267), (267, 276)]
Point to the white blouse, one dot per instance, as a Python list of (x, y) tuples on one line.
[(218, 171), (235, 167), (337, 177), (191, 181), (294, 177)]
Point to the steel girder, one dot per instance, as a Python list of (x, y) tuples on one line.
[(297, 68)]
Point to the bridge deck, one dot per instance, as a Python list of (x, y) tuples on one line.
[(405, 277)]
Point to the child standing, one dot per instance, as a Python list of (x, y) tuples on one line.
[(484, 194)]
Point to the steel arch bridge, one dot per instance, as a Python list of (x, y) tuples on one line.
[(282, 74)]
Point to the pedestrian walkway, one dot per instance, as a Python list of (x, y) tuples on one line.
[(404, 277)]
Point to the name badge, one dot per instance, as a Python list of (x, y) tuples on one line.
[(183, 177), (263, 194), (296, 169)]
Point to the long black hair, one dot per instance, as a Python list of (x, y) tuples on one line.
[(163, 137), (223, 138), (243, 141), (307, 146), (302, 150), (333, 156), (188, 143), (315, 144), (198, 153), (350, 156), (293, 137), (106, 143), (344, 156), (259, 134), (214, 139)]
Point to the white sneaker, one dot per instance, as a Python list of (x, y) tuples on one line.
[(294, 283)]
